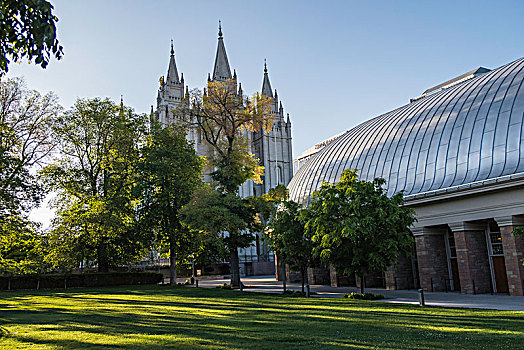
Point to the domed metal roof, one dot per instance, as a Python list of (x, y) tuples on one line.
[(465, 132)]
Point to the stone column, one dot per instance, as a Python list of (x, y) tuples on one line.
[(472, 257), (340, 280), (513, 247), (318, 275), (400, 276), (431, 257)]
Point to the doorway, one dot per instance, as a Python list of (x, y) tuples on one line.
[(451, 251), (499, 278)]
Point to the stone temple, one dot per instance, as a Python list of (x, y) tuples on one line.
[(273, 149)]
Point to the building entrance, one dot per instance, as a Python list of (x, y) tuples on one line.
[(454, 279), (499, 279)]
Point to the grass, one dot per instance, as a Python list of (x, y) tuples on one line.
[(156, 317)]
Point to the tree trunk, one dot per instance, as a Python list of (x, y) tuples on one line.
[(362, 283), (172, 262), (303, 273), (103, 259), (234, 268), (284, 276)]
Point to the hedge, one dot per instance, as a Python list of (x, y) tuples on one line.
[(79, 280)]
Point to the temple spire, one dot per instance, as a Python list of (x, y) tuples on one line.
[(222, 71), (266, 85), (172, 71)]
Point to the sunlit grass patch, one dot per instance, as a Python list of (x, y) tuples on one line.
[(156, 317)]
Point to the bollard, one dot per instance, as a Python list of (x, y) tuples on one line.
[(421, 300), (431, 279), (473, 282), (396, 286), (307, 291), (196, 283), (241, 286)]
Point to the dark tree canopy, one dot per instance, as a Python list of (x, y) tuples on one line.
[(27, 29), (170, 172), (356, 227), (286, 235)]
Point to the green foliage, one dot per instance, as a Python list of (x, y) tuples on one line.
[(364, 296), (94, 177), (287, 238), (26, 118), (356, 227), (28, 31), (277, 194), (224, 215), (170, 172), (21, 247)]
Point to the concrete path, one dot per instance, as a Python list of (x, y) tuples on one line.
[(268, 284)]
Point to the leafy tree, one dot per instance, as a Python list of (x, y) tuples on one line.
[(170, 172), (94, 176), (228, 217), (356, 227), (27, 30), (287, 237), (276, 195), (224, 118), (25, 142), (21, 246), (26, 118)]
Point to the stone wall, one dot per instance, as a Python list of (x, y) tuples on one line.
[(432, 260)]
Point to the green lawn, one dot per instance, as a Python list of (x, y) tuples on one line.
[(156, 317)]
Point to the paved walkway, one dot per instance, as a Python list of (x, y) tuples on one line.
[(268, 284)]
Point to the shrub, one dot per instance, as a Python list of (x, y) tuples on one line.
[(365, 296), (79, 280), (225, 286)]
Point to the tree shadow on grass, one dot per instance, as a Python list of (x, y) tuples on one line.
[(185, 318), (4, 332)]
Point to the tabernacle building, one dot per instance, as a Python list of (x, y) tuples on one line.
[(457, 152)]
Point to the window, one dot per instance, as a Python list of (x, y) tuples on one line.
[(496, 243), (452, 248)]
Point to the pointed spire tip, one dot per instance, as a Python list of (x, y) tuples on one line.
[(219, 29), (265, 66), (172, 48)]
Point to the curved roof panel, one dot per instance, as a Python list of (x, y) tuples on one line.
[(469, 132)]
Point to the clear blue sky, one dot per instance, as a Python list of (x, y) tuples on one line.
[(334, 63)]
